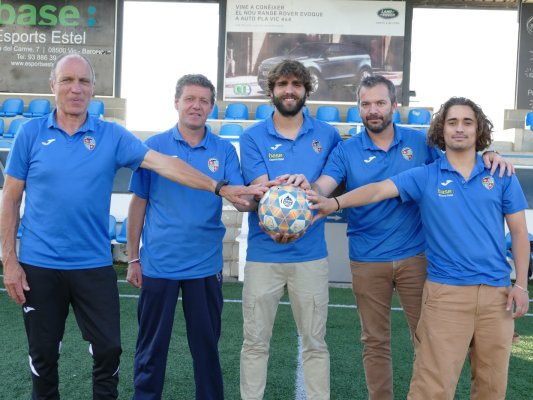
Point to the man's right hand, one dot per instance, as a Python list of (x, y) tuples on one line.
[(237, 194), (134, 276), (281, 238), (15, 281)]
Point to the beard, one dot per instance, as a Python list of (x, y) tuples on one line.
[(387, 120), (288, 112)]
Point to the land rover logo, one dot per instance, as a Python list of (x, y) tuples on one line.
[(388, 13), (529, 26)]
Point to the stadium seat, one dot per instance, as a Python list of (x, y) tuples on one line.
[(2, 125), (529, 121), (214, 112), (328, 114), (397, 117), (12, 107), (37, 108), (418, 116), (14, 127), (264, 111), (122, 237), (236, 111), (96, 108), (353, 131), (231, 131), (5, 144), (112, 227), (352, 115), (508, 246)]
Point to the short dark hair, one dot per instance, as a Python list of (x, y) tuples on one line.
[(195, 79), (374, 80), (286, 68), (484, 125), (71, 55)]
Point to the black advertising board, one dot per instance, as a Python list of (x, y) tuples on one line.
[(524, 76), (33, 34)]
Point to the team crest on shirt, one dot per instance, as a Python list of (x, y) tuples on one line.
[(213, 164), (89, 143), (488, 182), (407, 153), (317, 147)]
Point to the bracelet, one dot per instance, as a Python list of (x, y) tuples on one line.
[(134, 261), (521, 288), (338, 204)]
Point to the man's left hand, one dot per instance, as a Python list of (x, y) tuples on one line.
[(520, 299), (493, 160)]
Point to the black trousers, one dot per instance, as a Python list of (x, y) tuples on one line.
[(93, 295)]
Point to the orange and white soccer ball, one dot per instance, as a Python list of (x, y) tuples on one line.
[(285, 209)]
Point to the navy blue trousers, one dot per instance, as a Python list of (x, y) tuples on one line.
[(202, 307)]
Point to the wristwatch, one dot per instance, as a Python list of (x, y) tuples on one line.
[(220, 183)]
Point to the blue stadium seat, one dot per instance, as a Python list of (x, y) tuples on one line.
[(263, 111), (397, 117), (214, 112), (353, 131), (37, 108), (12, 107), (328, 114), (236, 111), (508, 245), (529, 121), (353, 115), (14, 127), (509, 248), (2, 126), (231, 131), (5, 144), (122, 237), (96, 108), (112, 227), (418, 116)]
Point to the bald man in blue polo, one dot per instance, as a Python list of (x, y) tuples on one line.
[(65, 163)]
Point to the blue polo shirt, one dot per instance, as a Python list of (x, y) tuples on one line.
[(265, 151), (183, 230), (463, 221), (387, 230), (69, 181)]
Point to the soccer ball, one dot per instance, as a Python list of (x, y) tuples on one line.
[(284, 209)]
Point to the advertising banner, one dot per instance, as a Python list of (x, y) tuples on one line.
[(524, 78), (339, 41), (34, 34)]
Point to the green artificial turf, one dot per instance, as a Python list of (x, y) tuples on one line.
[(343, 330)]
